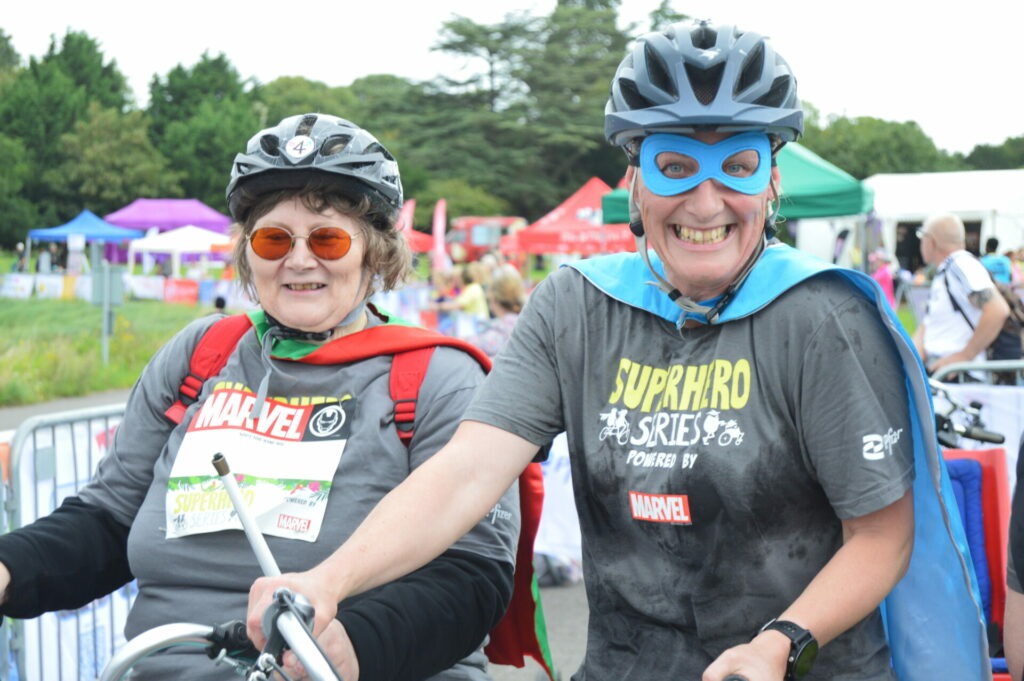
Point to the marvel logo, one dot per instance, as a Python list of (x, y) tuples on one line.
[(660, 508), (293, 524)]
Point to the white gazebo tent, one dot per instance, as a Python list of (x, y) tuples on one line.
[(175, 242)]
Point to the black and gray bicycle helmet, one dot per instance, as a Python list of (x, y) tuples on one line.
[(697, 74), (288, 154)]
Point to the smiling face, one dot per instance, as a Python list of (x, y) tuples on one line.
[(301, 290), (703, 236)]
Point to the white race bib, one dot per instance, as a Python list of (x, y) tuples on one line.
[(284, 464)]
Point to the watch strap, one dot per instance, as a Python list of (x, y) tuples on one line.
[(799, 639)]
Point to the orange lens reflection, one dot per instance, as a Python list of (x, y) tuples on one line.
[(326, 243)]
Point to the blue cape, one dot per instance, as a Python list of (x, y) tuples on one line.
[(933, 617)]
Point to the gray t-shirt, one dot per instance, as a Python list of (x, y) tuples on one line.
[(205, 578), (711, 466)]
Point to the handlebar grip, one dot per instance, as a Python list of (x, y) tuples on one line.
[(982, 435)]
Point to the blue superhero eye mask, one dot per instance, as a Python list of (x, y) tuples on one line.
[(673, 164)]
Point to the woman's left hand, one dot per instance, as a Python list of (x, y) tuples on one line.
[(337, 646)]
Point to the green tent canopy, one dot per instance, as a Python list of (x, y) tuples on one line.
[(811, 188)]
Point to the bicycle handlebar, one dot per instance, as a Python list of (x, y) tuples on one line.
[(151, 641), (288, 623)]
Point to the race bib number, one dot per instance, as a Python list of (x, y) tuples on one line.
[(284, 464)]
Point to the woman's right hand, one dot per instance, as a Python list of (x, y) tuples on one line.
[(337, 647), (307, 584), (5, 581)]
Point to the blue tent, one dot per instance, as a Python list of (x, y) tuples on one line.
[(89, 225)]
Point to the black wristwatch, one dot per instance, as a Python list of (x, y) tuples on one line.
[(803, 648)]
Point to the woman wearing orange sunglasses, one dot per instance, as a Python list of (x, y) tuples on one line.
[(311, 437)]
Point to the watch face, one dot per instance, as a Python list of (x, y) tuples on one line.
[(804, 659)]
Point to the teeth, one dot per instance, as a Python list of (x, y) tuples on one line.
[(700, 236), (304, 287)]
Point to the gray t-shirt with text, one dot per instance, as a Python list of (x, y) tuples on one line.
[(711, 466)]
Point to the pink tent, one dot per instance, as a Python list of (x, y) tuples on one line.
[(165, 214), (575, 226)]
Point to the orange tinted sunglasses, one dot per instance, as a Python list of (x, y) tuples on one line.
[(327, 243)]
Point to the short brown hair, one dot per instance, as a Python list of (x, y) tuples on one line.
[(386, 256)]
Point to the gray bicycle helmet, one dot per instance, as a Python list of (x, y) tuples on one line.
[(299, 147), (697, 74)]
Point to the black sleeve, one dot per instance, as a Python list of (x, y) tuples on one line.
[(64, 560), (1017, 520), (427, 621)]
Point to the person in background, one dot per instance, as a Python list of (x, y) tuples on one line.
[(999, 266), (965, 312), (19, 264), (881, 271), (748, 475), (506, 297), (471, 299), (310, 431), (445, 286)]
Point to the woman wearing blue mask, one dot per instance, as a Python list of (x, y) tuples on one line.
[(773, 469)]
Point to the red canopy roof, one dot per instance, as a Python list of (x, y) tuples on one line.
[(575, 226)]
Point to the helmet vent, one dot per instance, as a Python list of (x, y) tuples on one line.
[(376, 148), (704, 38), (752, 68), (778, 95), (335, 145), (630, 93), (658, 72), (705, 82), (270, 145), (306, 125)]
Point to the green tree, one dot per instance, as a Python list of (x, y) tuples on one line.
[(461, 198), (1006, 156), (500, 46), (568, 76), (80, 58), (867, 146), (19, 215), (9, 57), (663, 15), (37, 106), (109, 162), (296, 95), (177, 96), (203, 145)]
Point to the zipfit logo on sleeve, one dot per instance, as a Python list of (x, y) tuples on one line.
[(877, 447)]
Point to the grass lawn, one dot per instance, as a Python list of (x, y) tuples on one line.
[(53, 348)]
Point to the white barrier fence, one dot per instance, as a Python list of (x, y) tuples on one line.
[(52, 457)]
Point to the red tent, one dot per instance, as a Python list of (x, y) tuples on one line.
[(574, 227), (418, 241)]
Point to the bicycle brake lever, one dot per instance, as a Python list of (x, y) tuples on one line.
[(232, 639)]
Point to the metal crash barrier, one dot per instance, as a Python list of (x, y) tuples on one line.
[(1002, 406), (52, 457)]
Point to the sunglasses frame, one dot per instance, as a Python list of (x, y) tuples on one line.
[(309, 244)]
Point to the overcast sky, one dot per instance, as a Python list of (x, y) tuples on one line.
[(958, 74)]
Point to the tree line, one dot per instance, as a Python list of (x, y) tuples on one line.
[(516, 138)]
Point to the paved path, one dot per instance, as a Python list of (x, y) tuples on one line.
[(11, 417), (565, 610)]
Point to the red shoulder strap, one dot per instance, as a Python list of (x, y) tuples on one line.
[(209, 356), (407, 372)]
